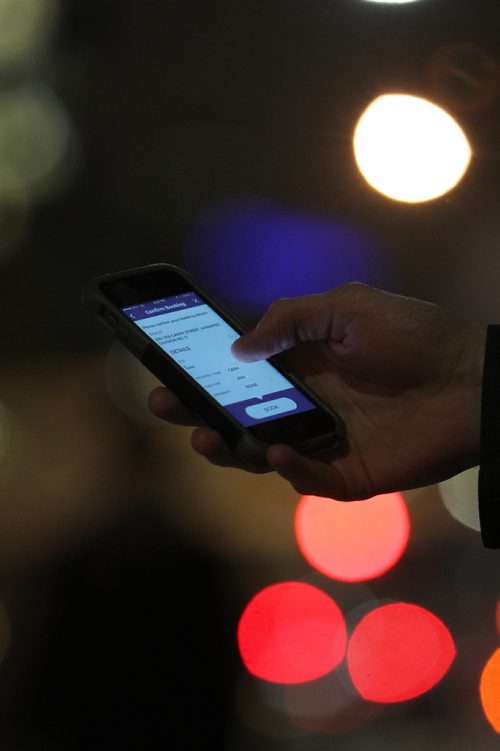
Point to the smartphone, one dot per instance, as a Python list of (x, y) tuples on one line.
[(184, 336)]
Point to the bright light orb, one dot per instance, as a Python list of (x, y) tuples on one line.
[(352, 541), (291, 633), (410, 149), (489, 690), (398, 652)]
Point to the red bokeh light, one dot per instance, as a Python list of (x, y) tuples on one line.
[(291, 633), (489, 690), (352, 541), (399, 651)]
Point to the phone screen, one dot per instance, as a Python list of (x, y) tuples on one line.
[(193, 334)]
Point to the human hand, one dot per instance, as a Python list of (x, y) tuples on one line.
[(404, 374)]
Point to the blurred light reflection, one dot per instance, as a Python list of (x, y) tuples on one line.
[(25, 26), (251, 251), (352, 541), (35, 140), (409, 149), (351, 597), (398, 652), (291, 633), (459, 496), (489, 689)]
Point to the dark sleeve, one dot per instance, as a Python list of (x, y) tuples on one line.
[(489, 463)]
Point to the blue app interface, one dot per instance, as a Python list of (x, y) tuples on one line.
[(199, 340)]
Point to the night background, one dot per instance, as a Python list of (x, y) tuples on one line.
[(219, 136)]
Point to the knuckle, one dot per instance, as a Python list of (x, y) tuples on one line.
[(278, 306)]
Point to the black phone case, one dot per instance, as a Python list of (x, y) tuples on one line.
[(246, 446)]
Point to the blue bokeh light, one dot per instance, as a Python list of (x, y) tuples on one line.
[(250, 251)]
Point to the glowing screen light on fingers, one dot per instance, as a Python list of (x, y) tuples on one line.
[(291, 633), (352, 541), (489, 690), (409, 149), (398, 652)]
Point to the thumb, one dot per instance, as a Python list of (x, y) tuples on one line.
[(287, 323)]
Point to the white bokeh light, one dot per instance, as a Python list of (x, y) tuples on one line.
[(35, 142), (410, 149), (25, 28), (459, 496)]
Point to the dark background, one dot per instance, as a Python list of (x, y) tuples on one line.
[(124, 561)]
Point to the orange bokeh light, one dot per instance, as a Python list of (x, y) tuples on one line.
[(398, 652), (489, 690), (291, 633), (352, 541)]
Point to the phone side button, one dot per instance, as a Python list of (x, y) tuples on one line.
[(110, 319)]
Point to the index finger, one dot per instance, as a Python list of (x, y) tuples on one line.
[(286, 323)]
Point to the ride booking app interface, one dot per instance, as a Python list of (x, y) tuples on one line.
[(199, 340)]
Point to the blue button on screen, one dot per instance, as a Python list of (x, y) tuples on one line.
[(270, 408)]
